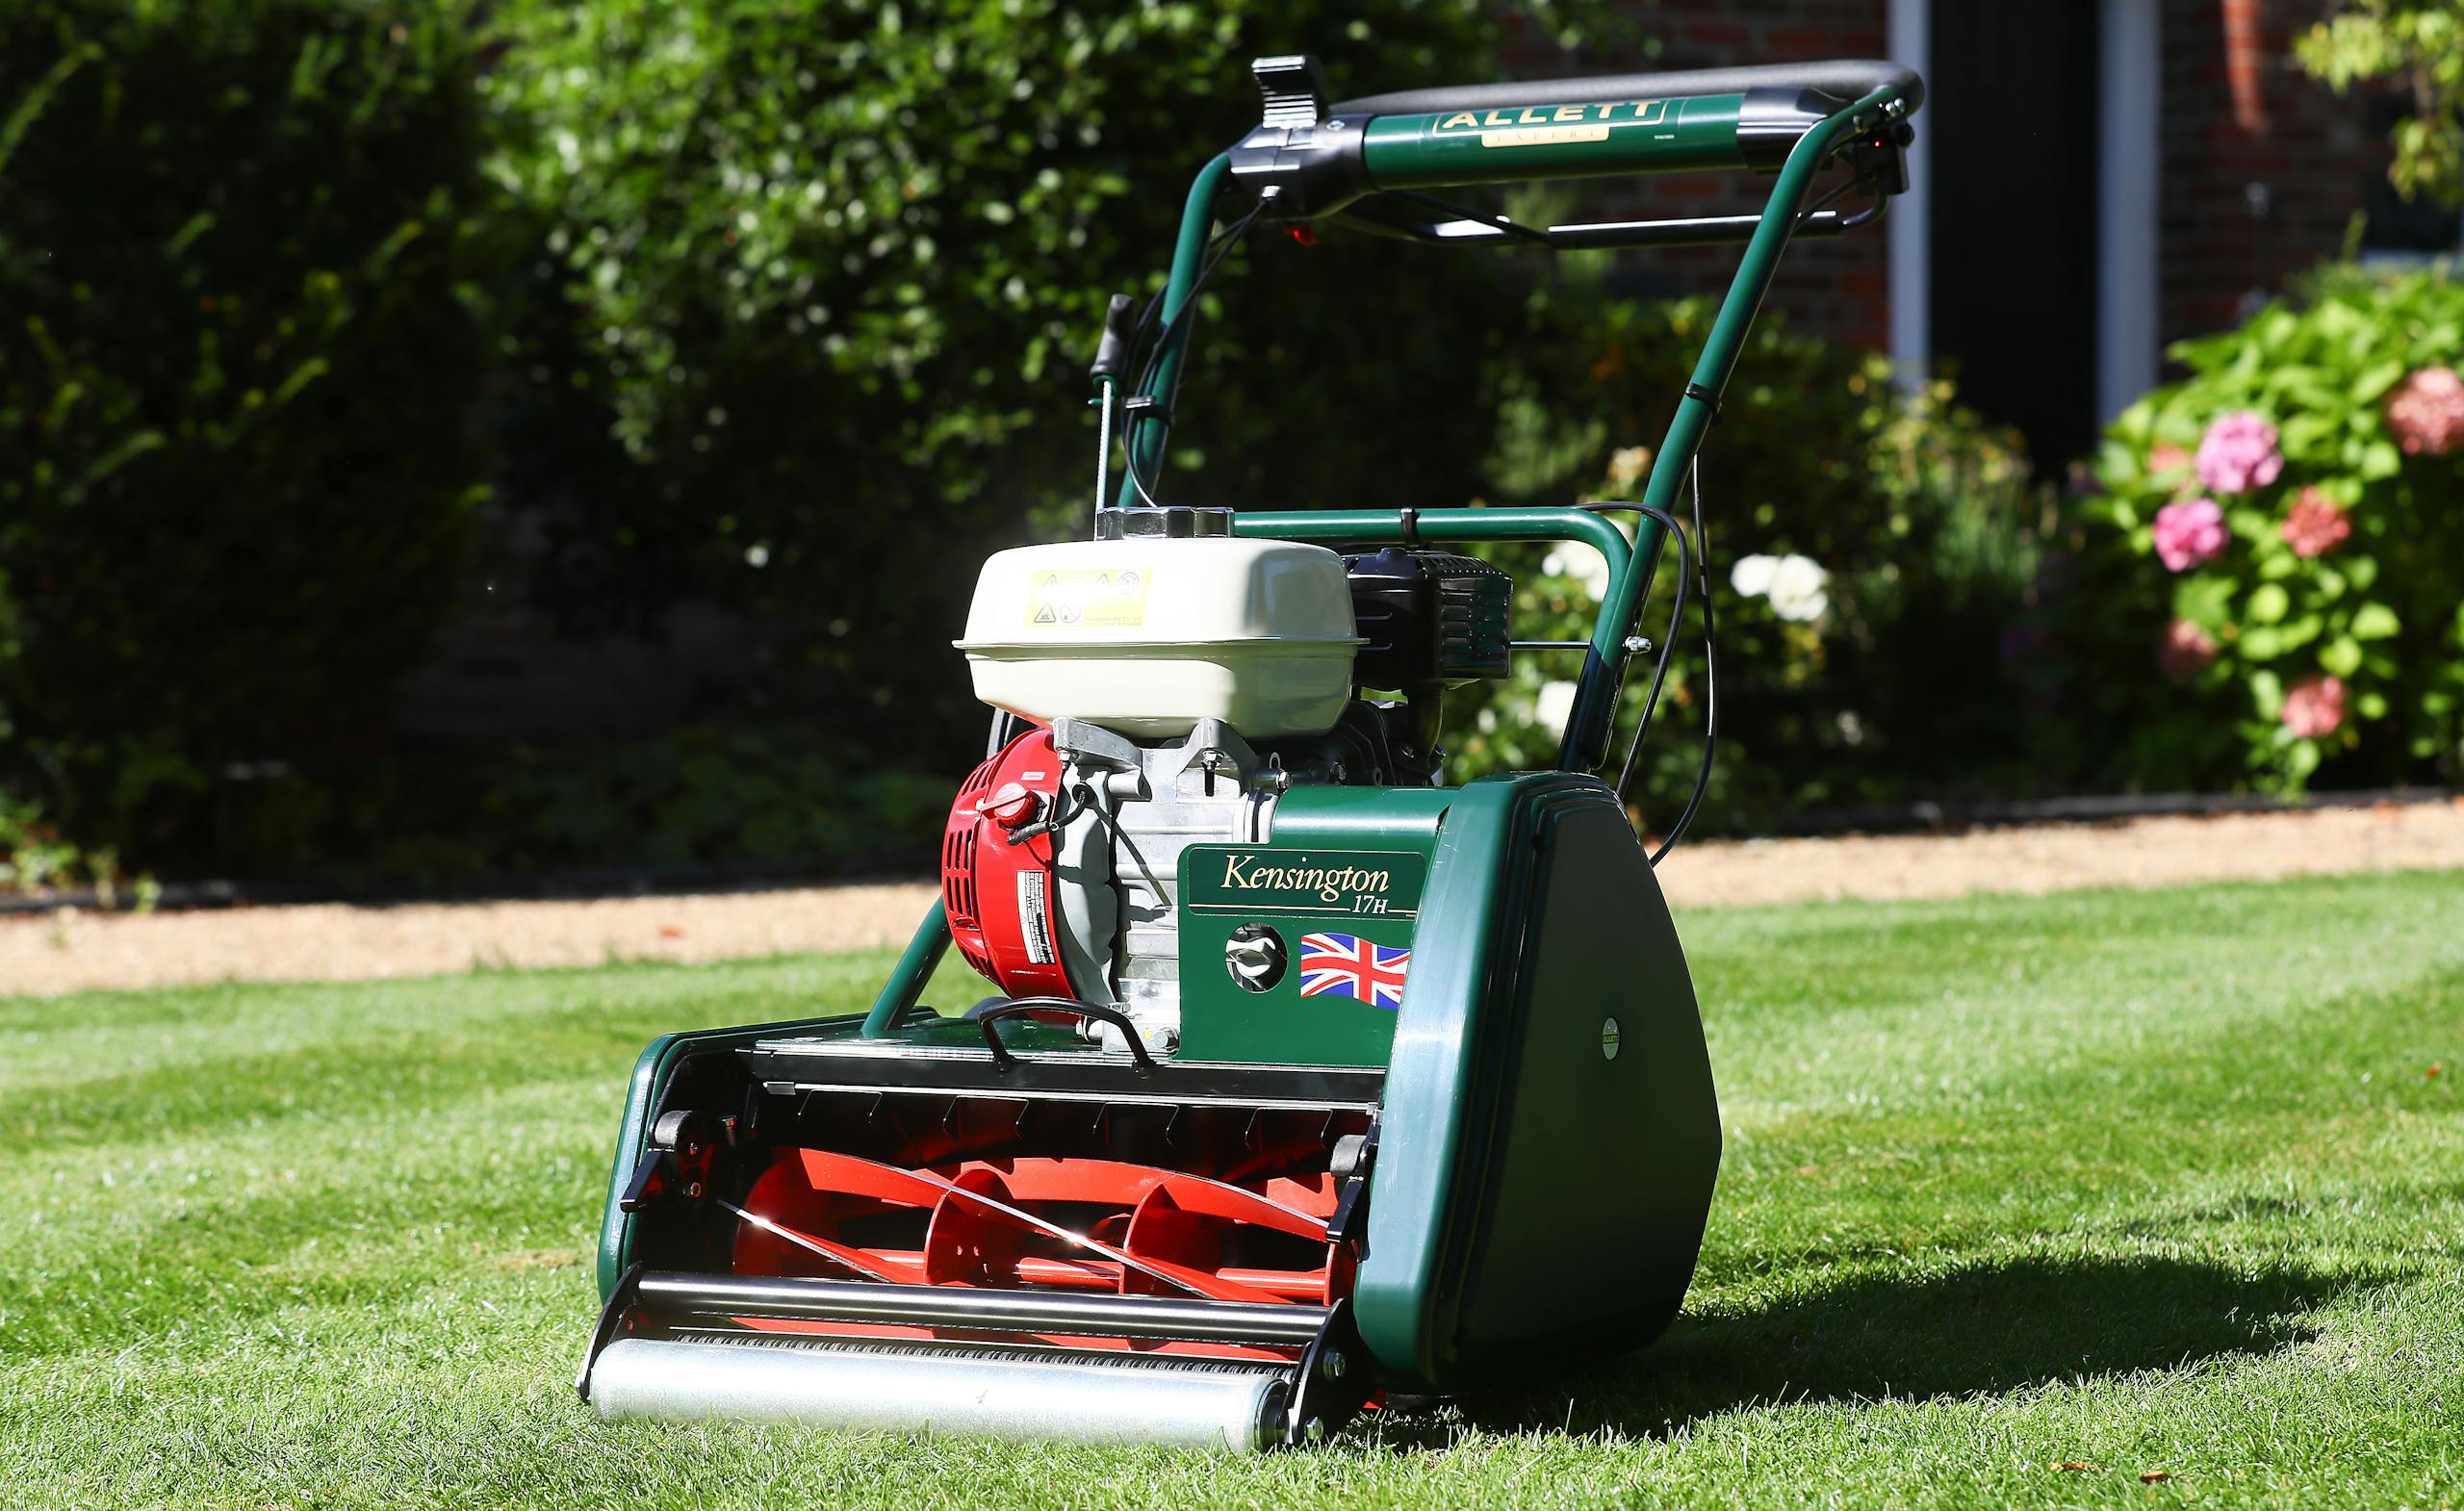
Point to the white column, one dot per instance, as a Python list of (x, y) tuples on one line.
[(2129, 163), (1912, 220)]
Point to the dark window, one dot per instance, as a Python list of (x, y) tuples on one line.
[(2012, 117)]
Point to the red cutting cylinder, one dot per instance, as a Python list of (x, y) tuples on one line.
[(997, 880)]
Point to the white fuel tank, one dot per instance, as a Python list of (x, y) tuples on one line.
[(1148, 636)]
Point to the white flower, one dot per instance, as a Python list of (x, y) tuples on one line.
[(1797, 586), (1751, 575), (1552, 707), (1581, 563)]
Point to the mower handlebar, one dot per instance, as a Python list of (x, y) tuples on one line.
[(1844, 81), (1309, 159)]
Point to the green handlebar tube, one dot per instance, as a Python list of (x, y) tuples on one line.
[(1507, 145)]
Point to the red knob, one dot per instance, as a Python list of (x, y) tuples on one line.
[(1013, 806)]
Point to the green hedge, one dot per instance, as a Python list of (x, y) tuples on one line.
[(235, 382), (839, 269), (786, 308)]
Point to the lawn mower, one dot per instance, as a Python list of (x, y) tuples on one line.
[(1312, 1083)]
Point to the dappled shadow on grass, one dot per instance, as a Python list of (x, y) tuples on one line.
[(1987, 1330)]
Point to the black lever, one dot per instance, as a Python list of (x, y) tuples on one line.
[(1295, 87), (1003, 1059), (1111, 353)]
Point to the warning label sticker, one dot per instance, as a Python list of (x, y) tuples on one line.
[(1034, 920), (1077, 599)]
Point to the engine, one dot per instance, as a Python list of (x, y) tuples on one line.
[(1166, 683)]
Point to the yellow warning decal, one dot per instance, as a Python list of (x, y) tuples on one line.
[(1113, 599)]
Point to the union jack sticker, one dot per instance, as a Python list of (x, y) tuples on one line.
[(1347, 966)]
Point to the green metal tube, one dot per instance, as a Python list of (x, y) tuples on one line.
[(908, 977), (1388, 527), (1593, 718), (1518, 143), (1147, 433)]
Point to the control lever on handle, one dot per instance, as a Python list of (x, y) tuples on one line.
[(1111, 355)]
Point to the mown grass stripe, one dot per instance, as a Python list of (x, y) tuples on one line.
[(2144, 1180)]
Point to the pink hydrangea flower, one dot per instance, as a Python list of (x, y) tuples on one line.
[(2185, 652), (2427, 412), (2238, 453), (2314, 524), (2189, 532), (2314, 707)]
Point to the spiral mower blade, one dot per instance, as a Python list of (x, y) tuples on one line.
[(1050, 1297)]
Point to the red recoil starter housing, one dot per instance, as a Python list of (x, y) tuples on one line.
[(998, 878)]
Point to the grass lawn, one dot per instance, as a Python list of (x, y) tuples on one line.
[(2139, 1182)]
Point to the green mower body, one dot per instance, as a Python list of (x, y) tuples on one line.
[(1548, 1132)]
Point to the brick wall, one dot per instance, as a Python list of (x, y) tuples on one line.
[(1833, 287), (2264, 169)]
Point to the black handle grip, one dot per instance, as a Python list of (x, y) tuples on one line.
[(1112, 353), (1003, 1059)]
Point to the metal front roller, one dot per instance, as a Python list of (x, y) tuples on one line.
[(953, 1391)]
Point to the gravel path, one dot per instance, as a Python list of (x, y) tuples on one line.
[(45, 955)]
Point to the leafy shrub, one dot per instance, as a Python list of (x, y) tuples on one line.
[(2280, 533), (1871, 552), (235, 482), (694, 794), (34, 858), (836, 271)]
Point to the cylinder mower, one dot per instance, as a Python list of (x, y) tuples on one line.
[(1312, 1081)]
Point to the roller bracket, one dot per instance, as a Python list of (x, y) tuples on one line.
[(611, 1321), (1353, 1155), (683, 1150), (1329, 1386)]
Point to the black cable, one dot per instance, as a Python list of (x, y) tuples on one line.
[(1710, 680), (1694, 564), (1668, 641), (1155, 300), (1216, 254)]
